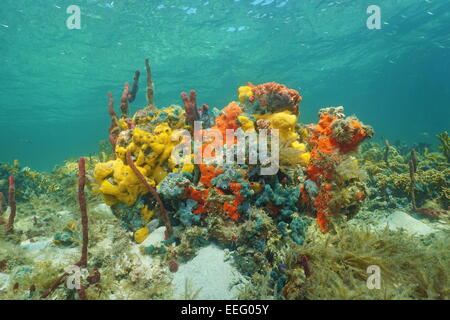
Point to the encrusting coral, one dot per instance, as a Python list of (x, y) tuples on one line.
[(411, 177), (333, 139)]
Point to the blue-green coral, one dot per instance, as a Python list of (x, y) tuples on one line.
[(187, 217), (280, 196), (173, 186), (298, 226), (296, 229), (229, 175)]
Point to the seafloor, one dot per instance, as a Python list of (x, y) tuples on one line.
[(344, 217), (411, 249)]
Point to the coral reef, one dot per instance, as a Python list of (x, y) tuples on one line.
[(153, 206), (28, 183), (445, 144), (416, 178), (338, 180), (214, 201)]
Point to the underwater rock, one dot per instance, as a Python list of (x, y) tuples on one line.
[(155, 238), (103, 209), (144, 146)]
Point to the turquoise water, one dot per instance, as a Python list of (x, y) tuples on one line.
[(54, 80)]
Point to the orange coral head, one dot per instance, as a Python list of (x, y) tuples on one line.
[(322, 221), (346, 133), (208, 172), (228, 118), (332, 137), (358, 132), (236, 188), (200, 196), (324, 125), (278, 96), (232, 210), (323, 144)]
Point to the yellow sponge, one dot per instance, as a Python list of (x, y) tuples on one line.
[(245, 92), (141, 235)]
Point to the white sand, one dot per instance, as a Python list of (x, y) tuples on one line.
[(103, 209), (401, 220), (32, 247), (4, 280), (209, 272), (45, 250)]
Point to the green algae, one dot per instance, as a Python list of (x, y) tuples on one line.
[(410, 267)]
